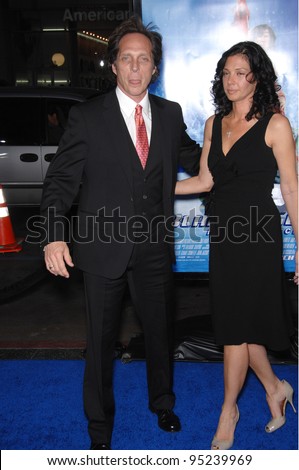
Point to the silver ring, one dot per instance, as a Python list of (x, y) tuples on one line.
[(51, 267)]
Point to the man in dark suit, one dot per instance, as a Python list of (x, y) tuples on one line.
[(124, 233)]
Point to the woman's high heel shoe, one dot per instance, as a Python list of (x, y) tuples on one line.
[(218, 444), (276, 423)]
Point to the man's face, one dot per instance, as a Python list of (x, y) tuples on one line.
[(134, 65)]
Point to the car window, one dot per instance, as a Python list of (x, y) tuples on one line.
[(57, 111), (20, 121)]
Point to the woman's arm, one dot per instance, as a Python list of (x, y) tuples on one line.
[(281, 139), (203, 182)]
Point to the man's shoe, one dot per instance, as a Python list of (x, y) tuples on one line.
[(99, 446), (168, 421)]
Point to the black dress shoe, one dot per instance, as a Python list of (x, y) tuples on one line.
[(99, 446), (168, 421)]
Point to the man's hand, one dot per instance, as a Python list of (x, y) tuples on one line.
[(57, 255)]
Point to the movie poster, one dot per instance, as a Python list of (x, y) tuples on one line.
[(195, 33)]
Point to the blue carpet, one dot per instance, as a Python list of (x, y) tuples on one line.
[(41, 408)]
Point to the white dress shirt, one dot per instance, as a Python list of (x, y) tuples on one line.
[(127, 107)]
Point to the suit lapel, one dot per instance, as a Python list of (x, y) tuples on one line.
[(119, 136)]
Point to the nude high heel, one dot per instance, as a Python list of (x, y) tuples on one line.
[(276, 423), (218, 444)]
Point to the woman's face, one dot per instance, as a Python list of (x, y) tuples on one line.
[(237, 78)]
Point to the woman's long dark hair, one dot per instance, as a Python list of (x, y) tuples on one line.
[(265, 97)]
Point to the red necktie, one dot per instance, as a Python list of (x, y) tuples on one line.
[(141, 136)]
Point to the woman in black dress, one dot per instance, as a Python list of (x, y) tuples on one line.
[(245, 143)]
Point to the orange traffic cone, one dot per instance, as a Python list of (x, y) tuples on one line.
[(8, 242)]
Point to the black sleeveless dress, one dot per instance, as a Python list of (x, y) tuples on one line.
[(249, 301)]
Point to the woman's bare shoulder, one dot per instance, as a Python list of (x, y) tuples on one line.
[(279, 122)]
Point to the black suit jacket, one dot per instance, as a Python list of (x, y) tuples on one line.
[(96, 150)]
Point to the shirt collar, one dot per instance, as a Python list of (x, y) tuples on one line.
[(128, 105)]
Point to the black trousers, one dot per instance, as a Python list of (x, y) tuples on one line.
[(150, 279)]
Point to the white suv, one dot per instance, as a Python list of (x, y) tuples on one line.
[(32, 121)]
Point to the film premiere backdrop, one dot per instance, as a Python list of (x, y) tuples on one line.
[(195, 34)]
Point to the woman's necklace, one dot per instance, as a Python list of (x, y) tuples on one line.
[(236, 125)]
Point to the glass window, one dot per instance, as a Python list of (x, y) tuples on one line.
[(57, 111), (20, 121)]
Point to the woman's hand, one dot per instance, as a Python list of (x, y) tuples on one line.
[(296, 275)]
